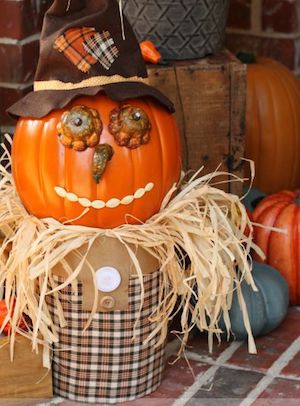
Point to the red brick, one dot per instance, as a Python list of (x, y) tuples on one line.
[(293, 368), (177, 379), (269, 347), (240, 14), (280, 16), (227, 385), (199, 345), (21, 18), (280, 49), (7, 98), (284, 391), (18, 62)]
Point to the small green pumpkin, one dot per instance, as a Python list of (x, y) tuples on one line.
[(266, 308)]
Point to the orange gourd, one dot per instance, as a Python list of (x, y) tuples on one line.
[(273, 125), (282, 249), (55, 181)]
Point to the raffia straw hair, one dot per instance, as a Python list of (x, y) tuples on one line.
[(201, 222)]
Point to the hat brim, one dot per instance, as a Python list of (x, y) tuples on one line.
[(40, 103)]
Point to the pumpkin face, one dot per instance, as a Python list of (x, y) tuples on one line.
[(273, 125), (266, 308), (282, 249), (59, 171)]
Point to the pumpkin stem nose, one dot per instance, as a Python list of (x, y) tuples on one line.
[(102, 155)]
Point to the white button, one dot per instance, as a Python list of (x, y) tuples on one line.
[(108, 279)]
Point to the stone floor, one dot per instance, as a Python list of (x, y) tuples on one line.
[(230, 375)]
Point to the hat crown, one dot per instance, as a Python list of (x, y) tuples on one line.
[(102, 16), (66, 7), (86, 47)]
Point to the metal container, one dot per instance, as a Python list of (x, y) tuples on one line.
[(181, 29)]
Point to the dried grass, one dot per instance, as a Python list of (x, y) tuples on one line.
[(205, 222)]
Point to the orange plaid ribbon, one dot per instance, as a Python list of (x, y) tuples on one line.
[(71, 44)]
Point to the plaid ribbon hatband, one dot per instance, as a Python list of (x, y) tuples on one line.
[(104, 364)]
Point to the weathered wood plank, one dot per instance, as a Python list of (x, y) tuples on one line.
[(25, 377), (209, 96), (238, 78)]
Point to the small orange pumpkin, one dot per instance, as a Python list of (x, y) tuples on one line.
[(55, 180), (282, 249), (273, 125)]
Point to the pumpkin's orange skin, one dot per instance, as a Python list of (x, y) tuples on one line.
[(282, 250), (273, 125), (41, 162)]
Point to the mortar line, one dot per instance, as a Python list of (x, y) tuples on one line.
[(256, 13), (24, 41), (264, 34), (15, 86), (207, 376), (198, 358), (275, 369)]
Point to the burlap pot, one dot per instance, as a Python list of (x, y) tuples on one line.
[(181, 29), (104, 363)]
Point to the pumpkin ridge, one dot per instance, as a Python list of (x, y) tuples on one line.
[(264, 86), (265, 205), (292, 161), (273, 125), (268, 216), (282, 249), (259, 138), (296, 230), (284, 263), (161, 151), (130, 212), (42, 154)]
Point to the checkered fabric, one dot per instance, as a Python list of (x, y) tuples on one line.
[(102, 48), (71, 45), (104, 364)]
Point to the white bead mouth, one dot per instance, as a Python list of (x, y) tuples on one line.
[(100, 204)]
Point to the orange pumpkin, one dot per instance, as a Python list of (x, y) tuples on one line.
[(6, 329), (273, 125), (282, 250), (56, 181)]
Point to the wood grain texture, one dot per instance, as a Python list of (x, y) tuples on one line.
[(25, 377), (209, 95)]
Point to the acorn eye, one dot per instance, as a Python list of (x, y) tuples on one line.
[(78, 122), (130, 126), (137, 115), (80, 128)]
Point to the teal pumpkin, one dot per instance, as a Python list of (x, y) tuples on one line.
[(252, 198), (266, 308)]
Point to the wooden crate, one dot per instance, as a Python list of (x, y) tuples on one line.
[(25, 377), (210, 100)]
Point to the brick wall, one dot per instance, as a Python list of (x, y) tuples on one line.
[(267, 27), (20, 23)]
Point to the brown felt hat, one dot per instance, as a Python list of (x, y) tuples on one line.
[(86, 46)]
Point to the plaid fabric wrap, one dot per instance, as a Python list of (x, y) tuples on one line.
[(71, 44), (102, 48), (104, 364)]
